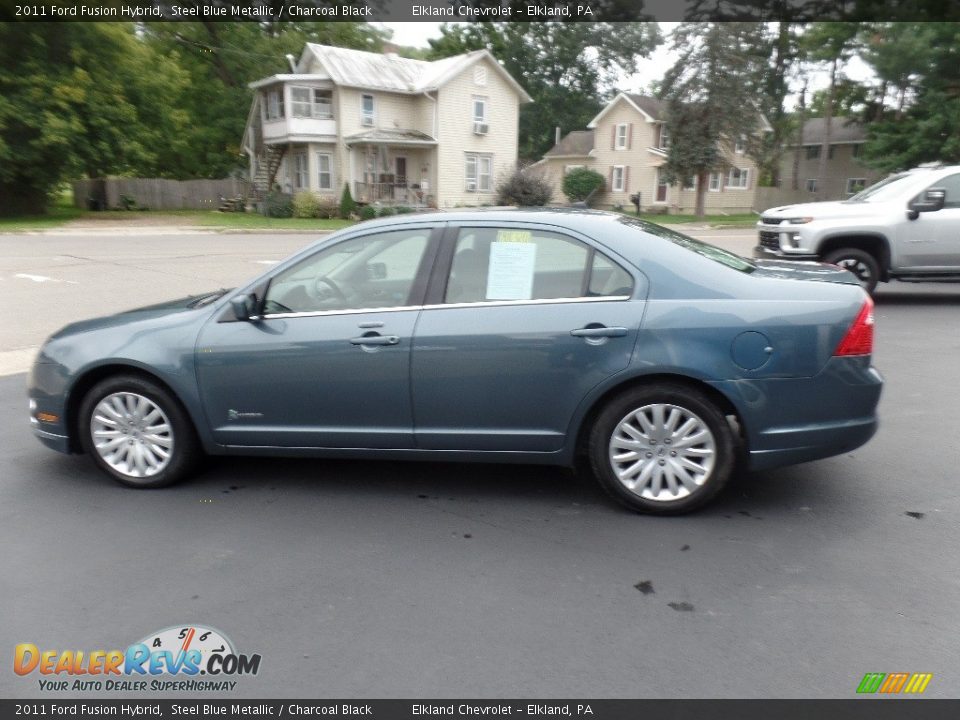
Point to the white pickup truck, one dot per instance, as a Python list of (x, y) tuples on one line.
[(906, 227)]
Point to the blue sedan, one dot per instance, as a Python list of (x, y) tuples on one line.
[(500, 336)]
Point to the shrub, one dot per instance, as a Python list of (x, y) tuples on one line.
[(368, 212), (404, 210), (524, 189), (580, 183), (327, 208), (305, 205), (278, 205), (347, 205), (387, 212)]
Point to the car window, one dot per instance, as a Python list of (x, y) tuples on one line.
[(374, 271), (522, 264), (951, 184), (724, 257)]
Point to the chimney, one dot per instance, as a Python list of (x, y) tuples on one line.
[(557, 137)]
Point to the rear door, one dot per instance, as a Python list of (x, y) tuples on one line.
[(521, 321)]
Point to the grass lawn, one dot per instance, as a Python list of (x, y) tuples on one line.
[(57, 216), (255, 221)]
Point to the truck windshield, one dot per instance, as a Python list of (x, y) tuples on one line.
[(886, 188)]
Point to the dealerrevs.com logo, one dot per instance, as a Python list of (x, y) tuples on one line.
[(179, 658)]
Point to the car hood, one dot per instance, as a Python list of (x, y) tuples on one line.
[(819, 210), (185, 304), (793, 270)]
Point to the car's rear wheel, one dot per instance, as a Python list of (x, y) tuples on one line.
[(860, 263), (137, 432), (664, 449)]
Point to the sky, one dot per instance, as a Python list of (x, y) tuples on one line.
[(416, 34)]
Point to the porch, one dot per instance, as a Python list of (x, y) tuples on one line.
[(392, 167)]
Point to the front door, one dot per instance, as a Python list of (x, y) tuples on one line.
[(528, 322), (661, 194), (401, 170), (328, 365)]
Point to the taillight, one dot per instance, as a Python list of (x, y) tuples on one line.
[(859, 337)]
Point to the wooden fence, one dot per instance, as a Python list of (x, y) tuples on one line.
[(156, 193)]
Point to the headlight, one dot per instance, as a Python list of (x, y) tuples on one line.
[(799, 221)]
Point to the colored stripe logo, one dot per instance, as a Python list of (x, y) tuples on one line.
[(893, 683)]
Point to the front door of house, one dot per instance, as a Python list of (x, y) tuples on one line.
[(661, 188), (401, 171)]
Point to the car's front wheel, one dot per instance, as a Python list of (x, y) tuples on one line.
[(860, 263), (137, 432), (664, 449)]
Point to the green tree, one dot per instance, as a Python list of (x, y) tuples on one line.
[(567, 68), (78, 99), (917, 117), (711, 98)]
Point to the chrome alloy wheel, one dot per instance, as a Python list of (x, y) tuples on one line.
[(662, 452), (132, 434)]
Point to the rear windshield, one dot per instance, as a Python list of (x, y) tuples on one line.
[(712, 252)]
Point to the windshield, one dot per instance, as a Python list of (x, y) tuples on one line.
[(883, 190), (707, 250)]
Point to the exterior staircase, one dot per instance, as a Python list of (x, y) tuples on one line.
[(268, 162)]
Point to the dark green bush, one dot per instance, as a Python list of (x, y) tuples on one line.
[(524, 189), (580, 183), (278, 205), (387, 212), (404, 210), (368, 212), (347, 205)]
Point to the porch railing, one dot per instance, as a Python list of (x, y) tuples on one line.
[(391, 193)]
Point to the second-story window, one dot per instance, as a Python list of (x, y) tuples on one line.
[(664, 138), (366, 110), (274, 107), (310, 103), (740, 145), (621, 142), (480, 115)]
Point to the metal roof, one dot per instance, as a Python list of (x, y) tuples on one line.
[(390, 72)]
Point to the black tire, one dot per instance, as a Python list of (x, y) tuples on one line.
[(180, 437), (715, 457), (860, 263)]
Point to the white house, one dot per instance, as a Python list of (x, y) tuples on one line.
[(398, 131)]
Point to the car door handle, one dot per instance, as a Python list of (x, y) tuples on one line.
[(594, 332), (375, 340)]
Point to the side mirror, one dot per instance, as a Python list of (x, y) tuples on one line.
[(930, 201), (244, 307)]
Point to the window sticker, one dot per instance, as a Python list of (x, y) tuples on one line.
[(510, 275), (514, 236)]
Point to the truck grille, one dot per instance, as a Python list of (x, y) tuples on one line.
[(771, 221), (769, 239)]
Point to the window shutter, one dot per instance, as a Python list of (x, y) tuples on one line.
[(626, 179), (610, 183), (630, 137), (613, 138)]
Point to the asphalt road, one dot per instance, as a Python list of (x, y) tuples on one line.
[(420, 580)]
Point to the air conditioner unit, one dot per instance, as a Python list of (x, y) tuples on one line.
[(471, 186), (367, 121), (480, 128)]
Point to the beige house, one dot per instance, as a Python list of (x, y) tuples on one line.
[(627, 143), (845, 175), (397, 131)]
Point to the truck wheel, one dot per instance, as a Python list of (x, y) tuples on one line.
[(860, 263)]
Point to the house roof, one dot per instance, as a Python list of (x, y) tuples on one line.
[(390, 72), (578, 143), (652, 109), (399, 136), (284, 77), (842, 130)]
